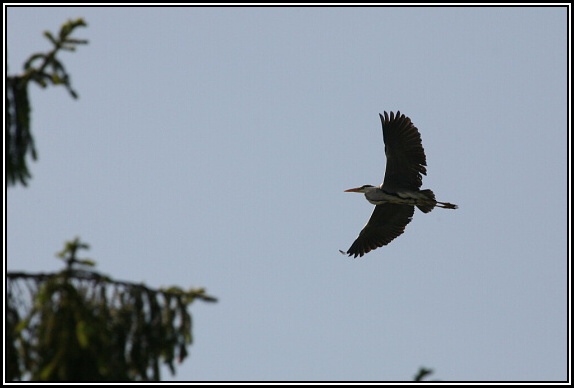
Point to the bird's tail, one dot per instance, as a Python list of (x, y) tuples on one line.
[(430, 202)]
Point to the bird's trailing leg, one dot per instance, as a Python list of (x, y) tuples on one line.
[(446, 205)]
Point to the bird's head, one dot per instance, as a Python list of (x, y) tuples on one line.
[(362, 189)]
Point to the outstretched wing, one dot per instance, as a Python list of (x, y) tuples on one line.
[(406, 158), (387, 222)]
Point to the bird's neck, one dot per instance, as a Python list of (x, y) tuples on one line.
[(374, 195)]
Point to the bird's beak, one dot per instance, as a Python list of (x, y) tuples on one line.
[(355, 190)]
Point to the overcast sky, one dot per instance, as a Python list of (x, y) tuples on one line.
[(210, 147)]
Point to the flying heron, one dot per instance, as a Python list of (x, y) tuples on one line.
[(397, 196)]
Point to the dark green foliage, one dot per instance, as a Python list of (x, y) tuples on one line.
[(84, 326), (43, 69)]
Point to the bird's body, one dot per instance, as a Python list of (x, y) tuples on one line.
[(400, 192)]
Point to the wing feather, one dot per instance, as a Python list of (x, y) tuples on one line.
[(387, 222), (406, 158)]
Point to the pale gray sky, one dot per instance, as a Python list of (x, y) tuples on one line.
[(211, 147)]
